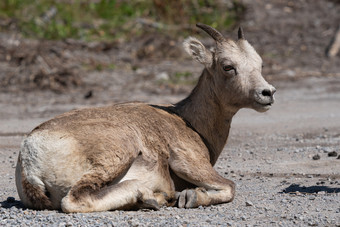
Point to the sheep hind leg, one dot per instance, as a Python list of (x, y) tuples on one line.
[(129, 194)]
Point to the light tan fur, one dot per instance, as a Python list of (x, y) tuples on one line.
[(136, 155)]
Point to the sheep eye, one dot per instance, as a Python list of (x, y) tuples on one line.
[(228, 68)]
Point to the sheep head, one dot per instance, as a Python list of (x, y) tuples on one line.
[(235, 71)]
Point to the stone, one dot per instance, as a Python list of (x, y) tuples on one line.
[(316, 157), (332, 154), (249, 203)]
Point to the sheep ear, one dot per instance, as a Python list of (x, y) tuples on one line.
[(198, 51)]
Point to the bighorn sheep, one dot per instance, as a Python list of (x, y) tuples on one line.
[(136, 155)]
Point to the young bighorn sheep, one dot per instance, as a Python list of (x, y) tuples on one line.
[(136, 155)]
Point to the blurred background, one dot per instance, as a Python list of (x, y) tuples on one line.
[(134, 48)]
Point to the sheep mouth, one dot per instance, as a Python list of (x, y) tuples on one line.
[(264, 102), (263, 105)]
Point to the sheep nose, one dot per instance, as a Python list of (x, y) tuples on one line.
[(268, 92)]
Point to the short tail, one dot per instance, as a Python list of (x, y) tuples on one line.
[(31, 195)]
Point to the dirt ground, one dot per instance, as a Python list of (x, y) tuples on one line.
[(285, 162)]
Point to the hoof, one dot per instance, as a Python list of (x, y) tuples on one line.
[(191, 199), (187, 199), (150, 204)]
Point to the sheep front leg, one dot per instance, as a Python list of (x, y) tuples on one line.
[(212, 188), (191, 198)]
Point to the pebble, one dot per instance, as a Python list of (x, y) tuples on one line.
[(267, 209), (162, 76), (316, 157), (249, 203), (332, 154), (229, 223), (326, 150)]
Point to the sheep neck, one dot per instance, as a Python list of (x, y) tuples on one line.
[(203, 110)]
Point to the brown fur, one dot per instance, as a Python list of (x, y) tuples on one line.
[(38, 198)]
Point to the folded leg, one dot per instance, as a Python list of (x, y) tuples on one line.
[(212, 188), (129, 194)]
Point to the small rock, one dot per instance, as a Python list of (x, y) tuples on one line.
[(316, 157), (289, 73), (249, 203), (284, 201), (162, 76), (332, 154), (141, 71), (62, 224), (88, 94), (229, 223), (326, 149)]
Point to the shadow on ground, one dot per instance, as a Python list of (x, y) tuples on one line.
[(11, 202), (311, 189)]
